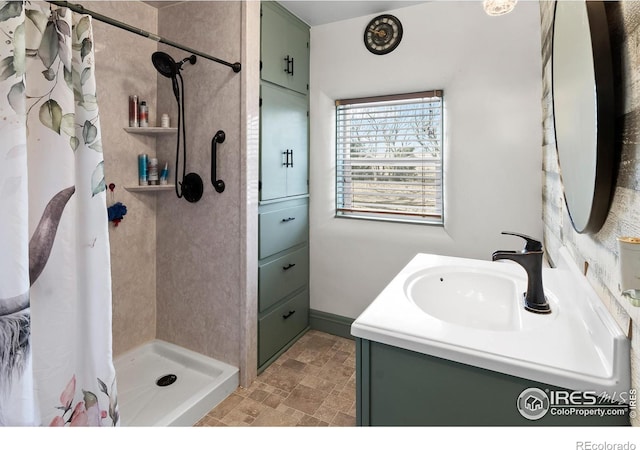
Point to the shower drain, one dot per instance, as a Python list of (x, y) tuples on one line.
[(166, 380)]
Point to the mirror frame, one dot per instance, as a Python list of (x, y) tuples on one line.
[(605, 153)]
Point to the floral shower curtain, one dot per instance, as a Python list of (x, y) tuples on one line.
[(55, 283)]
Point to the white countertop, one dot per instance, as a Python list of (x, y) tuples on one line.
[(578, 347)]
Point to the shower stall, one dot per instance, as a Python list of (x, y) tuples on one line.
[(184, 274)]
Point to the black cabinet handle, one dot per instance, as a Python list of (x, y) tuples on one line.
[(287, 154), (219, 137), (288, 267), (288, 219), (289, 69), (289, 314)]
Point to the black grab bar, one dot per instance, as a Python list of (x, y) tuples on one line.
[(219, 137)]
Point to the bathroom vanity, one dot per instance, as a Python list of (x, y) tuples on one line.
[(399, 387), (448, 342)]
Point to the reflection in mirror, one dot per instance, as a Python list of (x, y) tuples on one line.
[(583, 100)]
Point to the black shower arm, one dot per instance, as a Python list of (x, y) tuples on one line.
[(219, 137)]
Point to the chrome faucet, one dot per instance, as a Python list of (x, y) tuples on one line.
[(530, 258)]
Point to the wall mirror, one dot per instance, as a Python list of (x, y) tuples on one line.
[(583, 109)]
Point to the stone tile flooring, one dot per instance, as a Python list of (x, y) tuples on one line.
[(312, 384)]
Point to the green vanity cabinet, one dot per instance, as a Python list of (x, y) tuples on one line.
[(283, 221), (284, 137), (399, 387), (284, 49)]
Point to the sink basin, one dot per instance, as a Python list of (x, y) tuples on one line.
[(474, 297), (467, 297)]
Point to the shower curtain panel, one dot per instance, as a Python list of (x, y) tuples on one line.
[(55, 283)]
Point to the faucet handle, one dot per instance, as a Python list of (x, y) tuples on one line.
[(532, 245)]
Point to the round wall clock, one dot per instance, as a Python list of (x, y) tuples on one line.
[(383, 34)]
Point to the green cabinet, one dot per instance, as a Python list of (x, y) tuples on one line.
[(399, 387), (283, 277), (281, 325), (284, 137), (284, 49), (283, 265), (282, 228)]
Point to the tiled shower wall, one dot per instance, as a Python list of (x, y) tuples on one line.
[(123, 67), (600, 250), (203, 267), (184, 272)]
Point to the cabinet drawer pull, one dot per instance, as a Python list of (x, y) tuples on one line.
[(288, 219), (289, 314), (288, 267)]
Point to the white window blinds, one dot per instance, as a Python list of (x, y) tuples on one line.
[(389, 157)]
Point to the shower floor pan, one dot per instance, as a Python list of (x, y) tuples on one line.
[(200, 383)]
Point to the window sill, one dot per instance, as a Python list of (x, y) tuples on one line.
[(404, 220)]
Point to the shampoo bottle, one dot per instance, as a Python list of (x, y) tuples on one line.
[(164, 175), (143, 180)]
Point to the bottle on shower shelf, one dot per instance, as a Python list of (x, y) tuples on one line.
[(144, 114), (164, 175), (143, 160), (164, 121), (153, 171), (133, 111)]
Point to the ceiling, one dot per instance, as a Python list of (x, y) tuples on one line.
[(319, 12)]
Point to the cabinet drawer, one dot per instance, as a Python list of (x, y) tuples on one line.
[(281, 277), (282, 229), (281, 325)]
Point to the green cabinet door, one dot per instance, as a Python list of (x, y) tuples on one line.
[(283, 143), (284, 48)]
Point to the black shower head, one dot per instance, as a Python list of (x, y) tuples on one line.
[(164, 64), (167, 66)]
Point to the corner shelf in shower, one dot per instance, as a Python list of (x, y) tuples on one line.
[(154, 188), (150, 131)]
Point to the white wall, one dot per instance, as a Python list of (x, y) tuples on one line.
[(490, 71)]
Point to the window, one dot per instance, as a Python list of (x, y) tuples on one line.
[(389, 157)]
